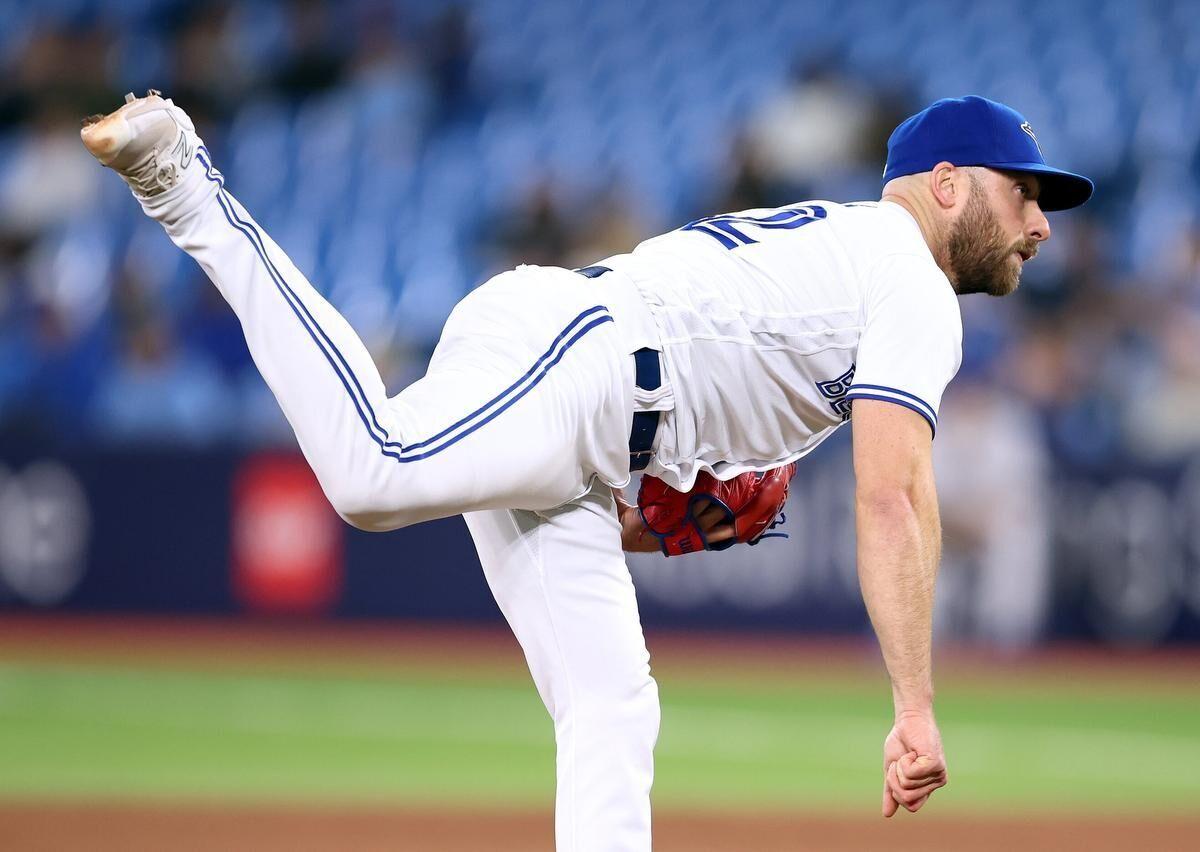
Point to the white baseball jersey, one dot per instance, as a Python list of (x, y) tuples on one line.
[(772, 321)]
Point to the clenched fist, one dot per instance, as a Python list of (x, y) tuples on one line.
[(913, 763)]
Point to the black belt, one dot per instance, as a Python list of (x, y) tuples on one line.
[(648, 376)]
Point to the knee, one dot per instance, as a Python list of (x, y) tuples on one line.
[(364, 510), (379, 503), (379, 518), (371, 513), (369, 521)]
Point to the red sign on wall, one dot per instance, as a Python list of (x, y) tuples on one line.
[(286, 539)]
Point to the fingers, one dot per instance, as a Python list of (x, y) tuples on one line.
[(916, 806), (913, 765), (916, 771), (890, 805), (721, 533), (912, 800), (917, 778), (908, 791), (711, 515), (711, 523)]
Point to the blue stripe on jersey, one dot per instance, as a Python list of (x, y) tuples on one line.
[(929, 408), (932, 423), (598, 321), (788, 219), (297, 306), (574, 330), (714, 233), (599, 315)]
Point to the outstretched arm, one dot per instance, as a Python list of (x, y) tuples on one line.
[(899, 546)]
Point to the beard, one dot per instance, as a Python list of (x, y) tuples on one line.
[(980, 258)]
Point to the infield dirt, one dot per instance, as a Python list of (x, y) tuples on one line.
[(188, 828)]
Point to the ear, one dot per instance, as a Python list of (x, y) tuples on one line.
[(945, 184)]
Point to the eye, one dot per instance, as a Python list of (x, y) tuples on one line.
[(1023, 188)]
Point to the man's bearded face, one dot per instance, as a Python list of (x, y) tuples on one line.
[(981, 259)]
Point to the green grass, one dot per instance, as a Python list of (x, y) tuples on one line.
[(415, 736)]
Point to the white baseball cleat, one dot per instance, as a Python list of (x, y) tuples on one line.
[(148, 142)]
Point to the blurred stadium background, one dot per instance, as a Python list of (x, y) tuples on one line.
[(191, 646)]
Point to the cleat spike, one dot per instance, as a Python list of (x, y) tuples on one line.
[(129, 98)]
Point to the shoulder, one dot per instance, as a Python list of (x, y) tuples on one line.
[(912, 286), (914, 275), (884, 234)]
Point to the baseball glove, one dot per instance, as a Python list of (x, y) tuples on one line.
[(752, 504)]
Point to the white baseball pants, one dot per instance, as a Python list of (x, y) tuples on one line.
[(521, 423)]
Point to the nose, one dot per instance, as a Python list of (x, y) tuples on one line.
[(1037, 226)]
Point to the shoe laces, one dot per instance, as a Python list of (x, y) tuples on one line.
[(165, 173)]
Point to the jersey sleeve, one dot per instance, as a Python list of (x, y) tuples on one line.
[(911, 345)]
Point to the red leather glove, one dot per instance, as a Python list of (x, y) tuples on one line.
[(752, 502)]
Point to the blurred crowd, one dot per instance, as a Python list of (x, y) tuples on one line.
[(402, 152)]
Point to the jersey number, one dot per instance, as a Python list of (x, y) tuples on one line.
[(730, 230)]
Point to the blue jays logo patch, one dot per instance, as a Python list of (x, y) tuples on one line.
[(835, 391)]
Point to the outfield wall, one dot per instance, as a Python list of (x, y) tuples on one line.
[(222, 533)]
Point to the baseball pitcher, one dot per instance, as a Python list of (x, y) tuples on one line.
[(711, 358)]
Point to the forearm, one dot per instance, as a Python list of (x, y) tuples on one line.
[(899, 544)]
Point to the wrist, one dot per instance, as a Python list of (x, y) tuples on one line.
[(913, 701)]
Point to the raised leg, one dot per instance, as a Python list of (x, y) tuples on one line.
[(528, 396)]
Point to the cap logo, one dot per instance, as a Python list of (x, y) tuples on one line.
[(1029, 132)]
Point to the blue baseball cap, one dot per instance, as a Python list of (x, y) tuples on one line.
[(974, 131)]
